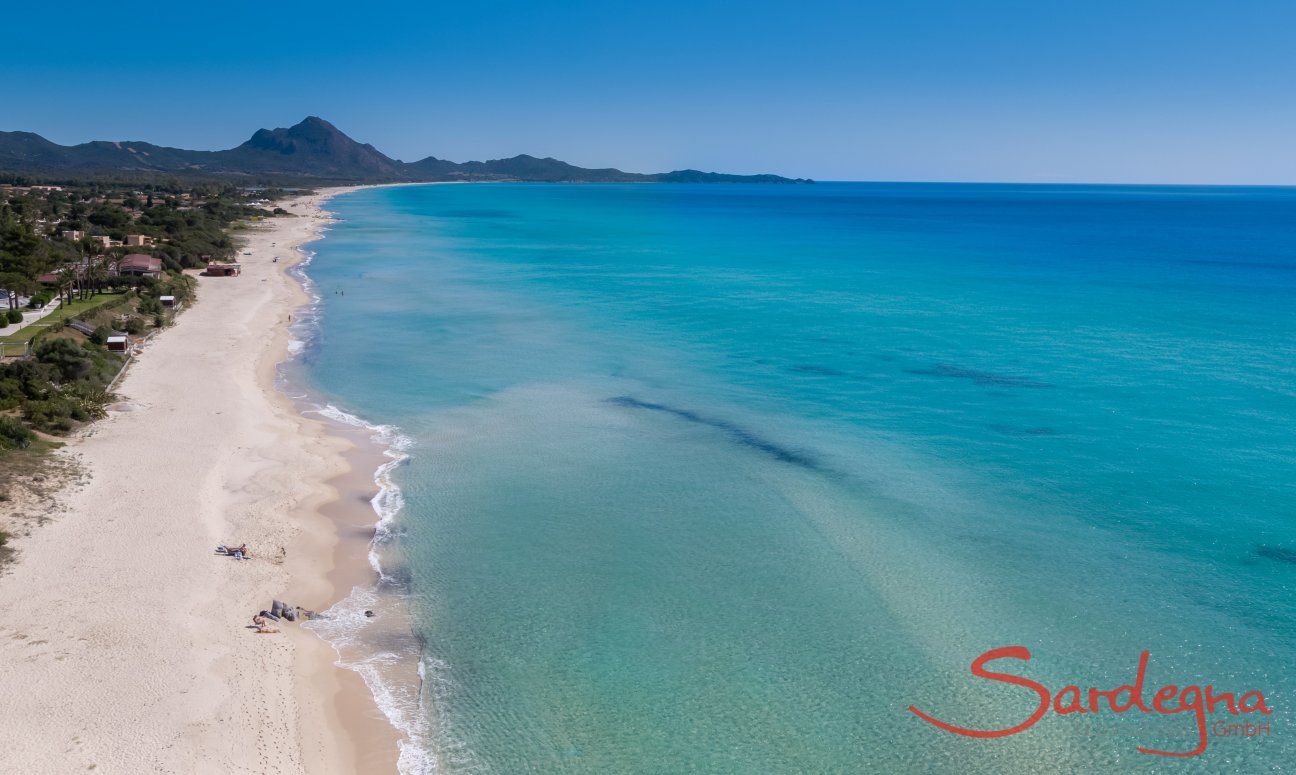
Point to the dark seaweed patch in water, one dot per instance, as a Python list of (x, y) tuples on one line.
[(1279, 553), (1020, 430), (1246, 264), (810, 368), (481, 213), (978, 377), (735, 432)]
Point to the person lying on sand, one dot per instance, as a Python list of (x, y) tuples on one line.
[(237, 552)]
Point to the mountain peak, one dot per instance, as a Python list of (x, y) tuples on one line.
[(310, 134), (311, 150), (314, 144)]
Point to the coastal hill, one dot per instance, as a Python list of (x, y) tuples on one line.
[(313, 151)]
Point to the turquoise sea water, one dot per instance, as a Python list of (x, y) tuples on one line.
[(724, 478)]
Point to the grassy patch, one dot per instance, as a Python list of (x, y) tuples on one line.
[(63, 313), (29, 480), (24, 466)]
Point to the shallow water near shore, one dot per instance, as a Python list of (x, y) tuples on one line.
[(724, 478)]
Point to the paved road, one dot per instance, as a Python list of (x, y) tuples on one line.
[(29, 317)]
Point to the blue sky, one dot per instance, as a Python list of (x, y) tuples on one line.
[(905, 90)]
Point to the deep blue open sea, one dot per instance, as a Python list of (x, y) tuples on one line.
[(722, 479)]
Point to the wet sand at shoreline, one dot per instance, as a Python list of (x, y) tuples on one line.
[(124, 639)]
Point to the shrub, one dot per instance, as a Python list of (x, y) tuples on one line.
[(4, 322), (62, 385), (150, 306), (14, 435), (100, 334), (22, 380), (135, 326), (69, 360), (54, 415), (14, 316)]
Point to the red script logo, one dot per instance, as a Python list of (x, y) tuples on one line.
[(1168, 700)]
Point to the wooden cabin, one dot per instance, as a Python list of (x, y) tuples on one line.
[(224, 270)]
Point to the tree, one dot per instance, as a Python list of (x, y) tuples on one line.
[(67, 278), (97, 272), (15, 285)]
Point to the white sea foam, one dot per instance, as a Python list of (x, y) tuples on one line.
[(389, 500), (306, 325), (349, 631), (345, 625)]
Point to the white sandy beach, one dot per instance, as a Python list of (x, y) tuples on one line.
[(124, 645)]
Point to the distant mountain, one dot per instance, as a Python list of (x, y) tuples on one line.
[(314, 147), (27, 152), (313, 151)]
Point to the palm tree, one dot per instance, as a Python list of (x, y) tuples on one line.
[(67, 280), (112, 264), (98, 272)]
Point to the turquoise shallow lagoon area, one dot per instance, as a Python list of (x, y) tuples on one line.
[(724, 478)]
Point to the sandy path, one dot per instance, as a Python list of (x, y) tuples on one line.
[(122, 639)]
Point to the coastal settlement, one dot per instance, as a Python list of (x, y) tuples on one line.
[(87, 272)]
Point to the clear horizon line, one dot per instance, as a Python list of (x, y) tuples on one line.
[(929, 181)]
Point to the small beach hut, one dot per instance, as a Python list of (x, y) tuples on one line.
[(224, 270), (167, 301), (116, 344)]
